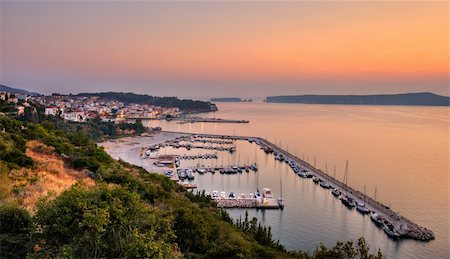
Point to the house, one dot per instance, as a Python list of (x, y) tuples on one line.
[(20, 110), (75, 115), (51, 110)]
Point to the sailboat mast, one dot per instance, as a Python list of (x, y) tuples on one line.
[(346, 172), (281, 189)]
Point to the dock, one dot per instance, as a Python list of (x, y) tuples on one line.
[(207, 120), (403, 226)]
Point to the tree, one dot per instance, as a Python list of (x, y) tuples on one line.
[(15, 230)]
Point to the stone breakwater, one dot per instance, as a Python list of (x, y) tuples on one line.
[(236, 203)]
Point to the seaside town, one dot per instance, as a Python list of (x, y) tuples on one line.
[(81, 108)]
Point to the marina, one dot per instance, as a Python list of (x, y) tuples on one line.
[(393, 223)]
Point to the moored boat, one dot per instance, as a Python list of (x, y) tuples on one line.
[(377, 219), (361, 207), (390, 231)]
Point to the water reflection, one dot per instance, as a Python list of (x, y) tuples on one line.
[(401, 151)]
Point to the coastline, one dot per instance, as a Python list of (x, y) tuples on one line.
[(129, 149)]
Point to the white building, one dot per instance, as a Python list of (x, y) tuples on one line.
[(51, 110)]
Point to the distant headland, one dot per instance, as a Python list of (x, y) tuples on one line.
[(230, 100), (423, 99)]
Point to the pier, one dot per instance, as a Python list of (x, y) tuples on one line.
[(406, 228), (184, 120)]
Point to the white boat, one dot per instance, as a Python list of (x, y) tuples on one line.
[(389, 229), (190, 174), (316, 179), (361, 207), (201, 170), (335, 192), (377, 219), (324, 184), (302, 174)]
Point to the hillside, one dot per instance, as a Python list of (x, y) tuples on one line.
[(423, 99), (7, 89), (184, 105)]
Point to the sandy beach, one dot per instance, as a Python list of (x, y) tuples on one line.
[(129, 149)]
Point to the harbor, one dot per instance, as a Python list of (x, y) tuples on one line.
[(395, 225)]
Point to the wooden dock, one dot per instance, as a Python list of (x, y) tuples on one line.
[(405, 227)]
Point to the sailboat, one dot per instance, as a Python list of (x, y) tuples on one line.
[(280, 199), (347, 200), (361, 206)]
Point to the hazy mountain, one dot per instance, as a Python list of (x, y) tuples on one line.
[(425, 99), (4, 88)]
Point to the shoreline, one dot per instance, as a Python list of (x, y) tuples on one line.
[(129, 149)]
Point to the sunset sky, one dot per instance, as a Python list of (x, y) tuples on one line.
[(217, 49)]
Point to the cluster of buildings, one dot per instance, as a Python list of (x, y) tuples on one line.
[(81, 108), (20, 101)]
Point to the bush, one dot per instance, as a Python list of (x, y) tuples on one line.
[(15, 230)]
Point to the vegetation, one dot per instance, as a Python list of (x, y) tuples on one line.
[(127, 213), (183, 105)]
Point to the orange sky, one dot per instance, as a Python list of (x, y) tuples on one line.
[(157, 43)]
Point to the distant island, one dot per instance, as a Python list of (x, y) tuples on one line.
[(230, 100), (423, 99)]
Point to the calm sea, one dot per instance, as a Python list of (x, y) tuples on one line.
[(401, 151)]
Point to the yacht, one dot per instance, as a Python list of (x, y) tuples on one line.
[(190, 174), (361, 207), (201, 170), (377, 219), (257, 194), (336, 192), (348, 201), (389, 229), (325, 185), (302, 174), (316, 179)]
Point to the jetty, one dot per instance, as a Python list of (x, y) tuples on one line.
[(208, 120), (406, 228), (247, 203)]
